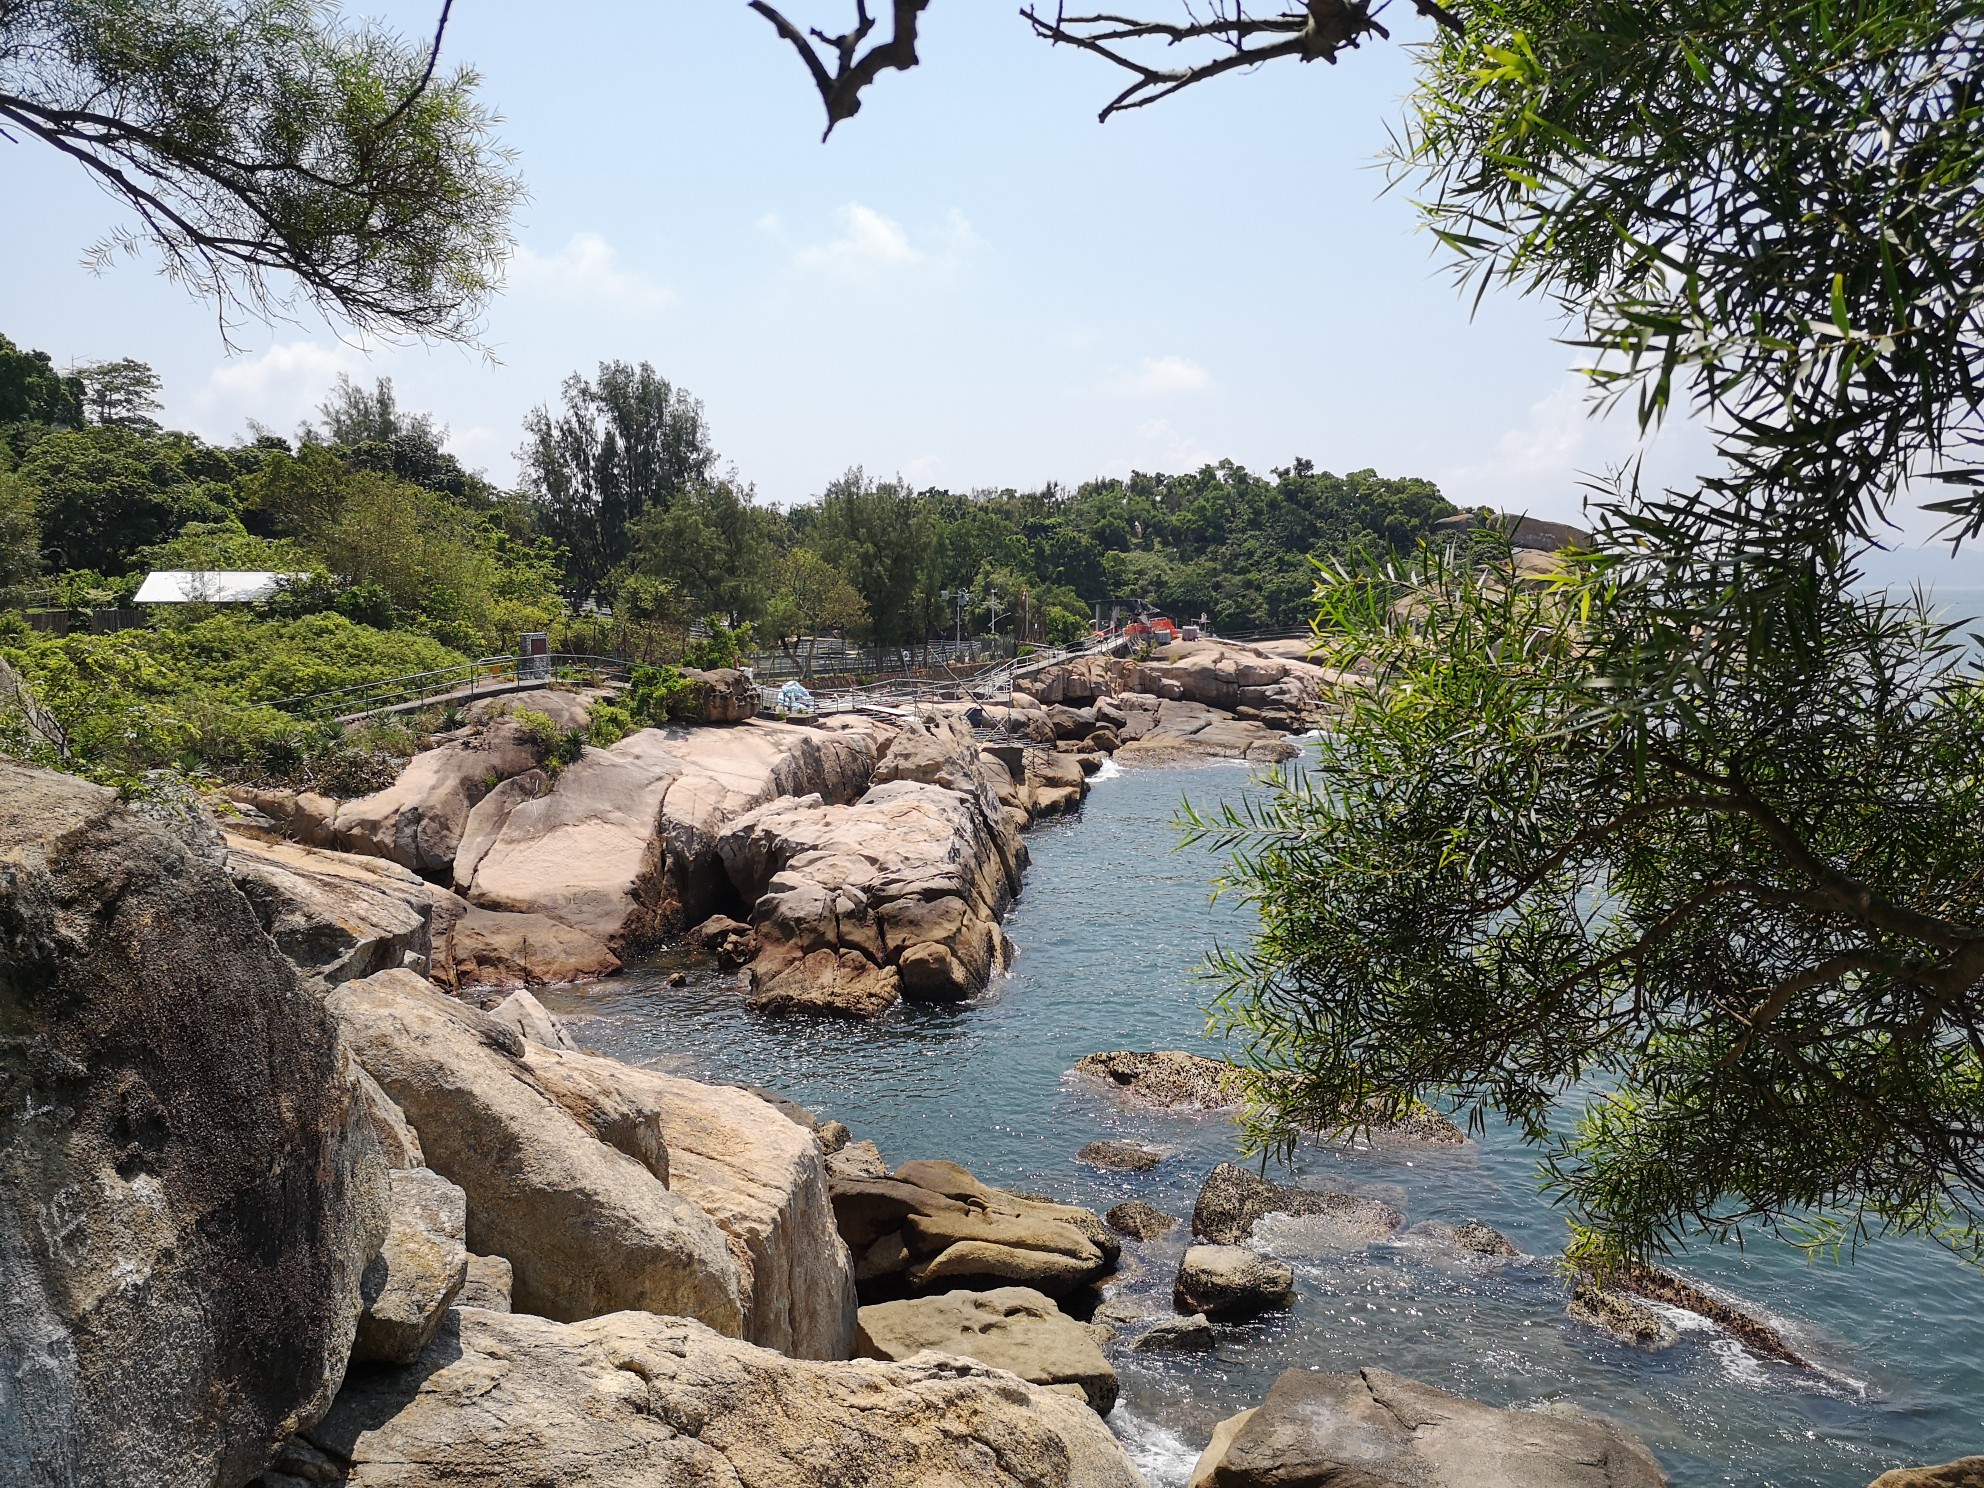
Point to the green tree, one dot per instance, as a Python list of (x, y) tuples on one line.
[(624, 445), (371, 431), (809, 595), (252, 139), (101, 494), (20, 537), (1564, 836), (713, 545), (120, 394), (32, 391), (881, 537)]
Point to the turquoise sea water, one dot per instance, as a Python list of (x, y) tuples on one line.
[(1110, 929)]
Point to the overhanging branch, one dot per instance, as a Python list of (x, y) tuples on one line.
[(853, 69)]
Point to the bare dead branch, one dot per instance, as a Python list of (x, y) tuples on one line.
[(1320, 29), (853, 69)]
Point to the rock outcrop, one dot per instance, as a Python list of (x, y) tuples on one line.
[(1120, 1157), (190, 1187), (1164, 1079), (418, 820), (476, 949), (1012, 1328), (1374, 1427), (1140, 1221), (758, 1175), (1965, 1472), (932, 1227), (415, 1277), (587, 1227), (623, 846), (1225, 1282), (896, 895), (638, 1401), (334, 915), (1163, 731)]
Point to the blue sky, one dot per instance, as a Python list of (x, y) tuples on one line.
[(972, 284)]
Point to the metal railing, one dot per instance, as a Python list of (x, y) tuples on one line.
[(486, 676)]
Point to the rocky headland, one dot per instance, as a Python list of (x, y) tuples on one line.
[(304, 1187)]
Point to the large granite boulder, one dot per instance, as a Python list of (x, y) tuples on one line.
[(722, 695), (1378, 1428), (623, 846), (1224, 1282), (900, 893), (639, 1401), (476, 949), (335, 915), (190, 1188), (1011, 1328), (1232, 1200), (1965, 1472), (418, 820), (756, 1173), (933, 1227), (415, 1277), (1160, 731), (587, 1227)]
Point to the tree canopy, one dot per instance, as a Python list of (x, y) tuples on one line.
[(268, 151)]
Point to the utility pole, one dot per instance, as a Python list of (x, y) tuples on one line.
[(992, 605)]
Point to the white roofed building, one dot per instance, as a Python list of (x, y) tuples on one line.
[(209, 586)]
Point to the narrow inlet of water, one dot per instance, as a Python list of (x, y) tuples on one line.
[(1111, 930)]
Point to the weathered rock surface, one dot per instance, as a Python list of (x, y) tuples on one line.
[(638, 1401), (1161, 731), (1190, 1334), (623, 847), (723, 695), (190, 1187), (1232, 1199), (1012, 1328), (1140, 1221), (933, 1227), (1965, 1472), (1165, 1079), (533, 1020), (1625, 1317), (398, 1142), (1745, 1327), (335, 915), (1230, 1281), (898, 894), (418, 820), (1121, 1157), (1378, 1428), (477, 948), (587, 1227), (413, 1280), (487, 1284)]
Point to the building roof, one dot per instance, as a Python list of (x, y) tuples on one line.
[(210, 586)]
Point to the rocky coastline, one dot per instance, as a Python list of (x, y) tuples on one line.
[(305, 1187)]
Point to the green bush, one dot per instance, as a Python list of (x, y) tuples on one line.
[(657, 694)]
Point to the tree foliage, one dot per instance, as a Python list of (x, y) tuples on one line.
[(269, 150), (623, 445), (1565, 838)]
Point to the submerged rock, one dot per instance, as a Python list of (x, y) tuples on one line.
[(190, 1185), (1176, 1335), (1230, 1281), (1012, 1328), (1378, 1428), (639, 1401), (1232, 1199), (1625, 1317), (1140, 1221), (1167, 1079), (1747, 1329), (1121, 1157)]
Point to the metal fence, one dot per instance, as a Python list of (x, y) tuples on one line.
[(488, 676)]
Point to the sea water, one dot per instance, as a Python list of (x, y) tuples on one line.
[(1112, 928)]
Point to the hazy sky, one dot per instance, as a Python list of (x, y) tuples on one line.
[(972, 284)]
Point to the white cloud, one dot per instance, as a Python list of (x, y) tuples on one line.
[(1540, 466), (1157, 377), (922, 471), (870, 245), (1170, 449), (587, 269), (279, 387), (476, 447)]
